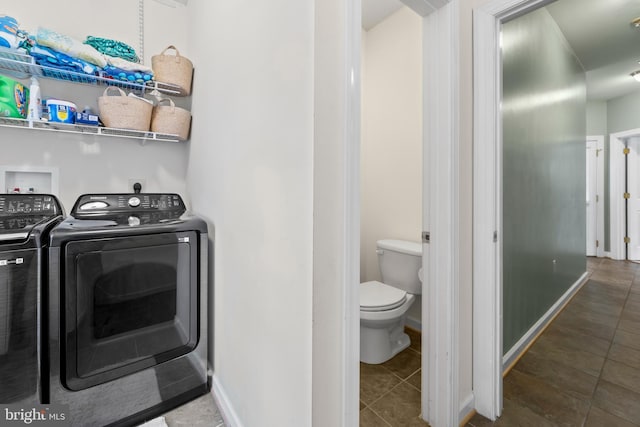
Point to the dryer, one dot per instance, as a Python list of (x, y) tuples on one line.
[(25, 222), (127, 308)]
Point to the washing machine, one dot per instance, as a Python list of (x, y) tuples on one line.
[(127, 314), (25, 223)]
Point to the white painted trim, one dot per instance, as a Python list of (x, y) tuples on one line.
[(516, 351), (599, 231), (607, 254), (466, 406), (441, 33), (487, 295), (336, 56), (224, 404), (487, 218), (351, 202), (617, 212), (599, 139), (616, 202)]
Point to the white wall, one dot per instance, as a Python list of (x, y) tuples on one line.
[(391, 150), (118, 19), (251, 176), (88, 163)]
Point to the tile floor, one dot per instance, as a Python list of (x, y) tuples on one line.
[(585, 368), (583, 371), (390, 392), (201, 412)]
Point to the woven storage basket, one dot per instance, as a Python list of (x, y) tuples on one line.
[(173, 69), (124, 112), (171, 119)]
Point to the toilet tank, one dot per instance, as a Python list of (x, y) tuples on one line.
[(400, 261)]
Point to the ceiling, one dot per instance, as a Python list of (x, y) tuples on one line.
[(607, 45), (375, 11), (599, 31)]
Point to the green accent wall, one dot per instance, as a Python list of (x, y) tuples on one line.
[(544, 132)]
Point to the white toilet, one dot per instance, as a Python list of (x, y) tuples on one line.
[(383, 306)]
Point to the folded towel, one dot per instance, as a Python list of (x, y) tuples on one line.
[(128, 65), (113, 48), (8, 32), (69, 46), (50, 58), (127, 76)]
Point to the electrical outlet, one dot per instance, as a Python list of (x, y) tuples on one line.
[(132, 181)]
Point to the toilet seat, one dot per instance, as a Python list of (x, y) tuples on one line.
[(376, 296)]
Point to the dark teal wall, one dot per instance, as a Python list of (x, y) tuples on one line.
[(544, 132)]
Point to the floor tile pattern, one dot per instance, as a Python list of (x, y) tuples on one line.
[(584, 370), (390, 392), (200, 412)]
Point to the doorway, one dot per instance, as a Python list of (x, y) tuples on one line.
[(633, 200), (391, 201), (624, 218), (443, 254), (488, 19)]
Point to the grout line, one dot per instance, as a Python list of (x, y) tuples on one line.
[(408, 383), (378, 415), (413, 387), (382, 396)]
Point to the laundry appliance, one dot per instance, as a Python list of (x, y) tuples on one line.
[(127, 316), (25, 222)]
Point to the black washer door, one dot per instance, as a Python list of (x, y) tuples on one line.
[(131, 303)]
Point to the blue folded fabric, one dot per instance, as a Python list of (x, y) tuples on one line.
[(50, 58), (8, 32), (127, 76)]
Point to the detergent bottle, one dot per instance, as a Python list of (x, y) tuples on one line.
[(35, 104), (13, 98)]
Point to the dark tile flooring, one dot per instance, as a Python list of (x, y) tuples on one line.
[(584, 370), (390, 392)]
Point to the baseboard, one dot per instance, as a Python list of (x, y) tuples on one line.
[(227, 411), (538, 328), (414, 324), (467, 410), (607, 254)]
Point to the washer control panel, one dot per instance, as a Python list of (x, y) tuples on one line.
[(104, 204), (28, 204)]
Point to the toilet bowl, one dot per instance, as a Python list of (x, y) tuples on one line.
[(384, 305)]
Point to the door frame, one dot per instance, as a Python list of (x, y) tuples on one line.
[(599, 140), (487, 200), (617, 175), (441, 194)]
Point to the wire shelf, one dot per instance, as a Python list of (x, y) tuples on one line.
[(23, 66), (84, 129)]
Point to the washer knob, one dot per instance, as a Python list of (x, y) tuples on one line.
[(134, 202)]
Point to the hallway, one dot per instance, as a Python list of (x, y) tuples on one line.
[(585, 368)]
